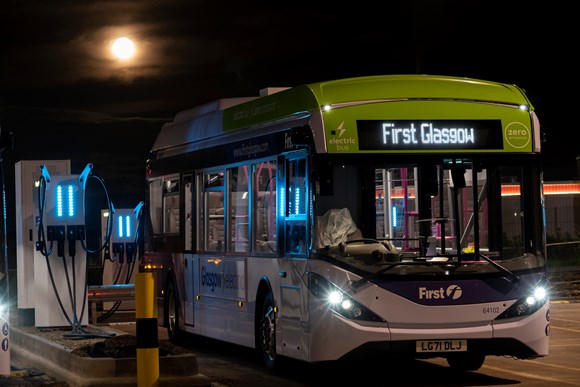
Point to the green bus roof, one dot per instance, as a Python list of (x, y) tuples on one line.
[(291, 105), (372, 88)]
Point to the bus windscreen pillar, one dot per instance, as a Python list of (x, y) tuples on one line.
[(60, 271)]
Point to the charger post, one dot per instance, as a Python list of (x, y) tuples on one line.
[(60, 273)]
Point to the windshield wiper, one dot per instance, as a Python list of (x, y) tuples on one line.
[(356, 284), (511, 276)]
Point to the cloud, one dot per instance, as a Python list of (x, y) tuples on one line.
[(73, 116)]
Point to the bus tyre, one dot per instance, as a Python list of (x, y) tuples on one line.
[(172, 313), (466, 362), (266, 334)]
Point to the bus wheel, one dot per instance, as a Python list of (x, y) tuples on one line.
[(172, 310), (266, 340), (466, 362)]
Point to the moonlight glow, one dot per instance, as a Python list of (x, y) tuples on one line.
[(123, 48)]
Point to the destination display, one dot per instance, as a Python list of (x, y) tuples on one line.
[(429, 134)]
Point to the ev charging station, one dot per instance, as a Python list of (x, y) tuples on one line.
[(27, 215), (120, 260), (124, 234), (60, 274)]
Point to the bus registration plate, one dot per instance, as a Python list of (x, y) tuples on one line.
[(441, 346)]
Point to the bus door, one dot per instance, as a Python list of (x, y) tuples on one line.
[(296, 194), (222, 238), (188, 261)]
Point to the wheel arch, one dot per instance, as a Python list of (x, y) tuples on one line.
[(264, 287)]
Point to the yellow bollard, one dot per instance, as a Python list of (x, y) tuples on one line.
[(147, 340)]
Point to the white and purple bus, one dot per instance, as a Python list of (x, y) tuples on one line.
[(401, 214)]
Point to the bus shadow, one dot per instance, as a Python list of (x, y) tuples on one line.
[(386, 371), (376, 371)]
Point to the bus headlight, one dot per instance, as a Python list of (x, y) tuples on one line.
[(339, 301), (528, 304)]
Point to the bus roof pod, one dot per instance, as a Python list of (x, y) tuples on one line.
[(194, 120), (191, 124)]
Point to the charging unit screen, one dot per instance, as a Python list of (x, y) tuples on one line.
[(64, 202), (124, 226)]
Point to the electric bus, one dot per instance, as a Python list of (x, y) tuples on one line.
[(399, 214)]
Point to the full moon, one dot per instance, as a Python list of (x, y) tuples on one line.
[(123, 48)]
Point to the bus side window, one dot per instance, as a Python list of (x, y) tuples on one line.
[(296, 206), (171, 218), (265, 215), (171, 205), (214, 204), (215, 229), (238, 208), (156, 204)]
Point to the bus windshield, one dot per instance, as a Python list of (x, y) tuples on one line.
[(437, 217)]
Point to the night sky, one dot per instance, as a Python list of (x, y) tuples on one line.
[(64, 96)]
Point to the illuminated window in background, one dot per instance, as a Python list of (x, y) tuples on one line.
[(549, 189)]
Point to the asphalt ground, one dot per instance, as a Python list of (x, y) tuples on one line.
[(23, 374)]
